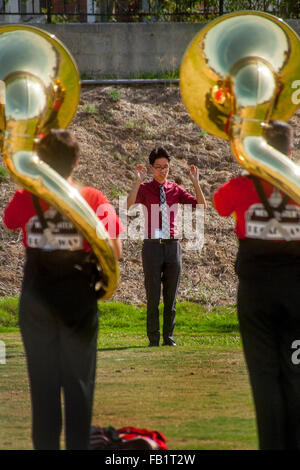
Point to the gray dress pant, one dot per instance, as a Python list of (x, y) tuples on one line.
[(162, 267), (58, 318)]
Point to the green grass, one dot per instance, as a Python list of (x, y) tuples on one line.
[(197, 394), (8, 314), (194, 324), (114, 94), (3, 174), (91, 109), (116, 192), (170, 73), (166, 74), (192, 318)]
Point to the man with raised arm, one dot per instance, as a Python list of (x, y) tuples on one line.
[(161, 252)]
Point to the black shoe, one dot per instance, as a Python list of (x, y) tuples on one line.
[(169, 342), (152, 344)]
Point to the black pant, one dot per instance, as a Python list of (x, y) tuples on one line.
[(269, 318), (162, 265), (60, 351)]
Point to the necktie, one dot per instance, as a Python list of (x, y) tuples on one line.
[(165, 225)]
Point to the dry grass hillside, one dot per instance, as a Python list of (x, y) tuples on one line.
[(117, 128)]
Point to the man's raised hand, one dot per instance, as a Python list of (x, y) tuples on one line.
[(141, 172)]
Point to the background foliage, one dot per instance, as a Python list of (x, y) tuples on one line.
[(55, 11)]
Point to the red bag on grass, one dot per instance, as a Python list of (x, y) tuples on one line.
[(129, 432), (127, 438)]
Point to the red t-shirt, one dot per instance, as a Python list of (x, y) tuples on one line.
[(149, 196), (238, 197), (20, 214)]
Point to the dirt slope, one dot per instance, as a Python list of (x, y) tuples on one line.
[(117, 128)]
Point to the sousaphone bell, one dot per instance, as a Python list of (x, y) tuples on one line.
[(237, 74), (40, 90)]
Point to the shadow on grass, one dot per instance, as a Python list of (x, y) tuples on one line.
[(120, 348)]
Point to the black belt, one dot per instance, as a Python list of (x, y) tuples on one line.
[(161, 241)]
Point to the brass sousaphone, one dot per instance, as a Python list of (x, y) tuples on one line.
[(241, 71), (40, 90)]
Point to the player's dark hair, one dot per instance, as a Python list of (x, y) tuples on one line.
[(158, 152), (60, 150), (279, 135)]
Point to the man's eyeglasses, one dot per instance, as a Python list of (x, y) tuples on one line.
[(161, 167)]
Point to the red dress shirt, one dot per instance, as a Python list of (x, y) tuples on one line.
[(149, 196)]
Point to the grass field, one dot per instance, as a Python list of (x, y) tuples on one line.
[(197, 394)]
